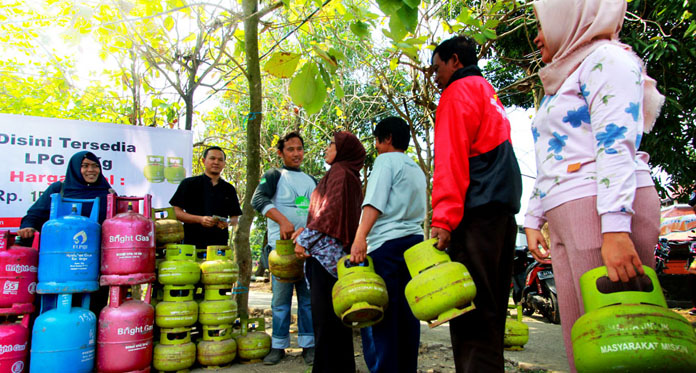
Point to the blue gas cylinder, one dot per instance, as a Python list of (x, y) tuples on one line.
[(63, 338), (69, 255)]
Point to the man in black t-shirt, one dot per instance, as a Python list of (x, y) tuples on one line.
[(201, 200)]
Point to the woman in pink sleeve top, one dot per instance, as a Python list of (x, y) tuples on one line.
[(593, 186)]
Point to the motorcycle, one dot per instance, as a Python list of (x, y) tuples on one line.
[(662, 250), (538, 291)]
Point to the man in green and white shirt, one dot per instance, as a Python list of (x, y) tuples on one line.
[(283, 197)]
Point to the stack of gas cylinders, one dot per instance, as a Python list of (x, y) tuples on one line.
[(18, 267), (125, 333), (218, 310), (177, 312), (64, 335)]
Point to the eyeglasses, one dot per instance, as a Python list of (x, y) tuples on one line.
[(89, 166)]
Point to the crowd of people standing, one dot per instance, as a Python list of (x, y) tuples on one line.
[(593, 188)]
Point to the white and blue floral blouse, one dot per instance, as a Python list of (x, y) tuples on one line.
[(586, 139)]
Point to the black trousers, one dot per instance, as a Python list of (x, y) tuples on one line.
[(484, 242), (333, 341)]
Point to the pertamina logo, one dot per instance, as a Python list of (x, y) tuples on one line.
[(79, 239)]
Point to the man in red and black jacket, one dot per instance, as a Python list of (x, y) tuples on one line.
[(476, 194)]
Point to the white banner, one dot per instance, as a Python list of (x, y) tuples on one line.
[(135, 160)]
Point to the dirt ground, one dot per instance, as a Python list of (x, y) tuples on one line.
[(434, 356)]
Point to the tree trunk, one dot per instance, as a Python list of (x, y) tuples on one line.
[(188, 101), (253, 132)]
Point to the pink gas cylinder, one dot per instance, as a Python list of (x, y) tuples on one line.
[(18, 274), (128, 242), (14, 344), (124, 338)]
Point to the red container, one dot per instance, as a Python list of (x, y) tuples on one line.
[(18, 274), (124, 338), (128, 242), (14, 345)]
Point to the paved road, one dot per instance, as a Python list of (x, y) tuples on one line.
[(545, 349)]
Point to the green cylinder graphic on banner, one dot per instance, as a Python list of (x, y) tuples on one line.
[(175, 171), (154, 171)]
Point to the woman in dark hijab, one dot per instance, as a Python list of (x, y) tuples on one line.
[(83, 180), (334, 214)]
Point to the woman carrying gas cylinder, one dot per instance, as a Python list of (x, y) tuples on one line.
[(83, 180), (593, 185), (334, 213)]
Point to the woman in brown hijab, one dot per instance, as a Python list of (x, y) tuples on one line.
[(334, 214)]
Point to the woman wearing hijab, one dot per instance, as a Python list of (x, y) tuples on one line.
[(83, 180), (334, 214), (593, 185)]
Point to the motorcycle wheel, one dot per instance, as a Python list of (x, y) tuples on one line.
[(527, 309), (659, 266), (553, 314)]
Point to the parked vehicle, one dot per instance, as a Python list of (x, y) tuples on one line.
[(662, 250), (538, 292)]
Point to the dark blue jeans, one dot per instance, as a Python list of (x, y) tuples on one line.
[(392, 344)]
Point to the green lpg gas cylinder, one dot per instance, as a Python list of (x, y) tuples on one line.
[(360, 295), (516, 332), (218, 307), (175, 171), (283, 263), (154, 170), (175, 351), (219, 268), (440, 289), (179, 268), (254, 343), (167, 228), (217, 347), (628, 327), (177, 308)]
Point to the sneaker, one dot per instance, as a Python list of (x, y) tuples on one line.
[(274, 356), (308, 355), (692, 311)]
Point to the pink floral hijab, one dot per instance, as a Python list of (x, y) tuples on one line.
[(573, 29)]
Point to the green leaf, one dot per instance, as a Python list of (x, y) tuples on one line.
[(489, 34), (338, 90), (397, 31), (282, 64), (491, 23), (338, 55), (389, 7), (480, 38), (413, 4), (464, 15), (169, 23), (361, 29), (191, 37), (408, 17), (326, 57), (319, 98), (689, 31), (409, 50), (417, 41), (306, 90), (393, 63), (324, 76)]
